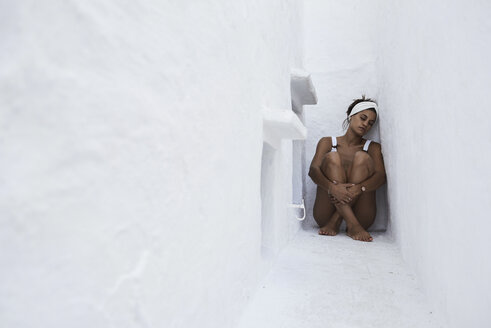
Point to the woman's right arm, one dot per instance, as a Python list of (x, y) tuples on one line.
[(315, 173)]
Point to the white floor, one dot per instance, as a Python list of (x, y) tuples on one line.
[(321, 281)]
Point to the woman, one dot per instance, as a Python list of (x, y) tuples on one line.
[(347, 171)]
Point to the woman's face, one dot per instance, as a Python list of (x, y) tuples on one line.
[(363, 121)]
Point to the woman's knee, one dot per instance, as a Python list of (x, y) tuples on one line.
[(362, 158), (331, 158)]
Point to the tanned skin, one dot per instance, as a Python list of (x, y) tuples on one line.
[(340, 177)]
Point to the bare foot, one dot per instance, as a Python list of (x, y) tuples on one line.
[(358, 233), (330, 229)]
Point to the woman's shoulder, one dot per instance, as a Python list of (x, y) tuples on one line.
[(326, 140), (373, 142), (324, 143), (375, 146)]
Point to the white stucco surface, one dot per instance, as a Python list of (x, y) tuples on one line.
[(130, 159), (434, 76), (428, 66), (142, 186), (326, 282)]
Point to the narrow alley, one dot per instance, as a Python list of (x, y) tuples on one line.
[(321, 281)]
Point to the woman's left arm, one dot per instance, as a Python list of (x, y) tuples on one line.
[(378, 178)]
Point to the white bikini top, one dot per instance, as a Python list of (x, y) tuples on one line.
[(335, 144)]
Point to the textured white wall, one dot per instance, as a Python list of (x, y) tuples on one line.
[(435, 77), (340, 53), (428, 66), (130, 158)]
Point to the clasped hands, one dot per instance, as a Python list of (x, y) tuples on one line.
[(344, 193)]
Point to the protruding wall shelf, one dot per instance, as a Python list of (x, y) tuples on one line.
[(279, 125), (302, 89)]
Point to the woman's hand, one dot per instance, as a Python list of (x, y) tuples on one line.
[(355, 190), (340, 193)]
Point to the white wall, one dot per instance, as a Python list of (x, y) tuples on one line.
[(435, 78), (130, 158), (427, 63), (341, 55)]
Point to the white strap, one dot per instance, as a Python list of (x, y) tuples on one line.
[(367, 144), (334, 144)]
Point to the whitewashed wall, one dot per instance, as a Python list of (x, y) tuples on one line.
[(435, 78), (340, 53), (427, 63), (130, 158)]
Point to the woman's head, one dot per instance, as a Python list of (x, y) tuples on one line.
[(361, 115)]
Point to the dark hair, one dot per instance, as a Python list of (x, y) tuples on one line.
[(353, 104)]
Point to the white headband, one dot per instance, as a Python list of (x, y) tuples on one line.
[(361, 106)]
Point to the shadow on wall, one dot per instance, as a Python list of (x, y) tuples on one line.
[(267, 200)]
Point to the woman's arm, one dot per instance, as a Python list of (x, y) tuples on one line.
[(315, 173)]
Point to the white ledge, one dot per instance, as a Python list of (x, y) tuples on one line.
[(302, 89), (278, 125)]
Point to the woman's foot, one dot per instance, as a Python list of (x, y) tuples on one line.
[(358, 233), (330, 229)]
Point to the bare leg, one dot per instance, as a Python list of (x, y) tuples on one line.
[(331, 228), (365, 207), (323, 208), (358, 219), (354, 229), (332, 169), (361, 169)]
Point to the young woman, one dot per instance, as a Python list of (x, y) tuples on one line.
[(347, 171)]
